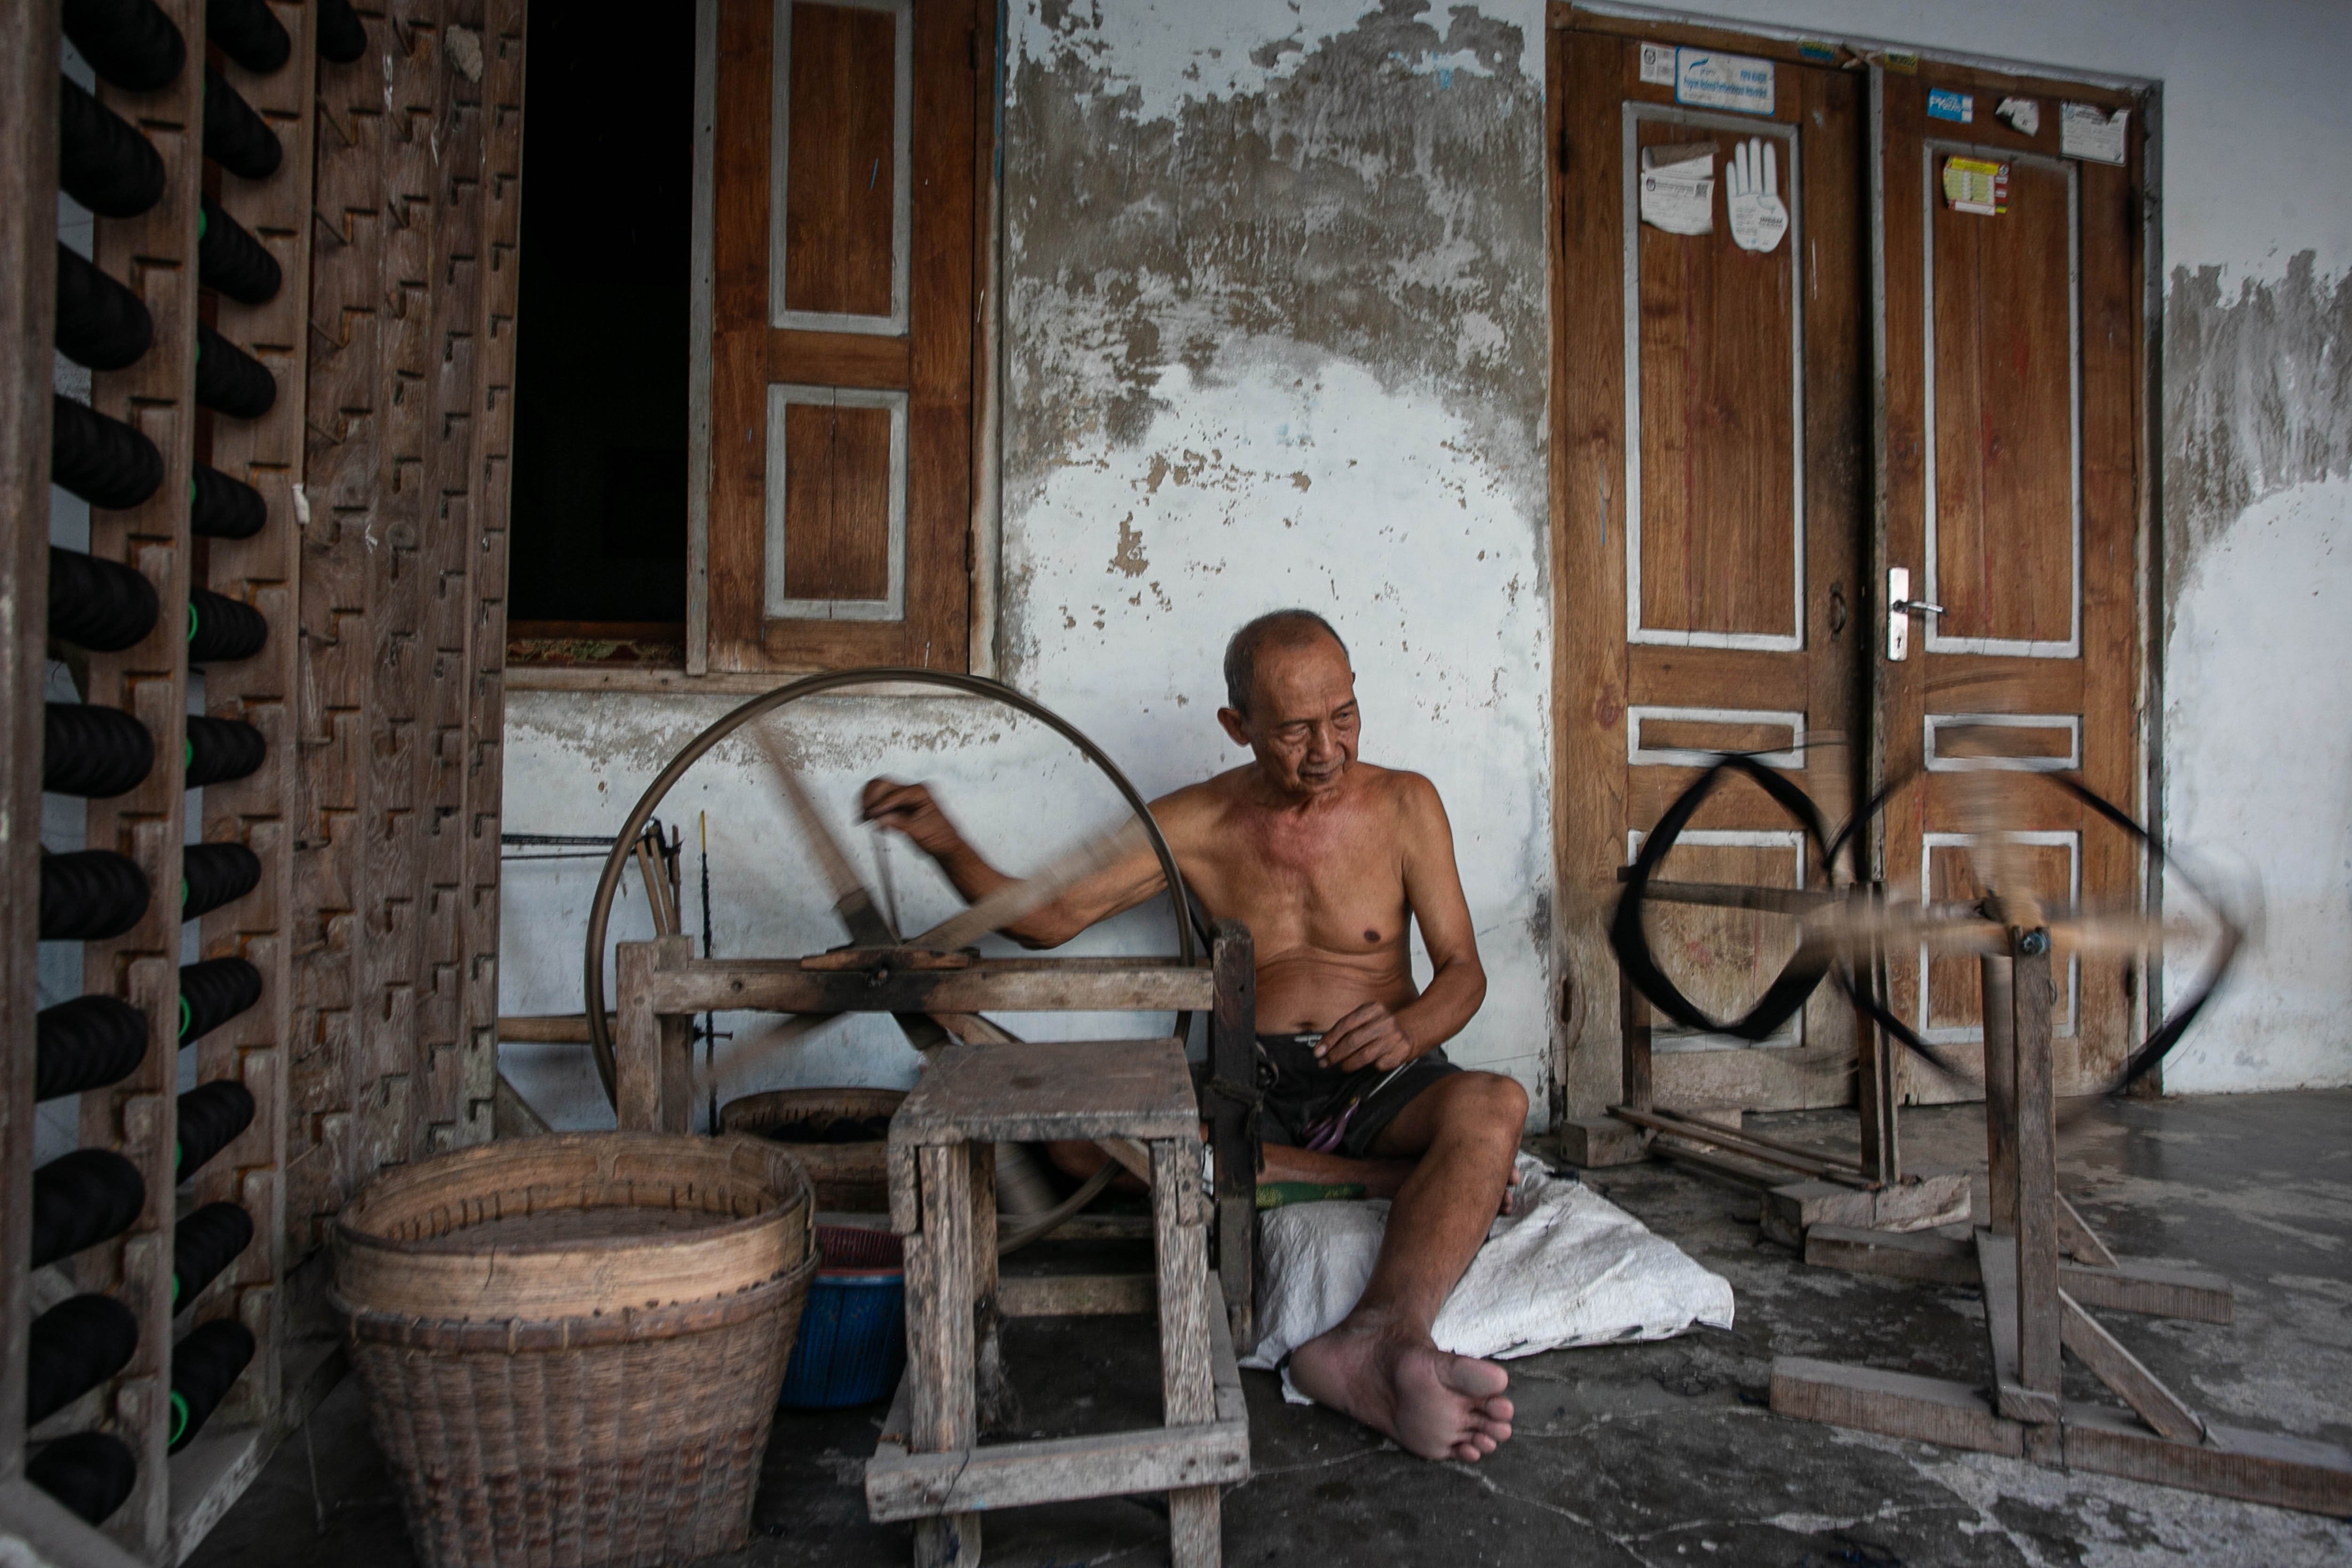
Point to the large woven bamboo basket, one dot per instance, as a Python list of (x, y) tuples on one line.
[(849, 1177), (571, 1344)]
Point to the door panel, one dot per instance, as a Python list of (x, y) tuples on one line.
[(2012, 394), (1714, 440)]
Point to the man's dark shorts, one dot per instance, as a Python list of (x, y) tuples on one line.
[(1306, 1101)]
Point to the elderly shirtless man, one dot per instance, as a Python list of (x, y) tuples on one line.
[(1325, 858)]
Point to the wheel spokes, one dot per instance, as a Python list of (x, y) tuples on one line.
[(852, 901), (1014, 899)]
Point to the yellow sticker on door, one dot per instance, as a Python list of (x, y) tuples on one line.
[(1976, 186)]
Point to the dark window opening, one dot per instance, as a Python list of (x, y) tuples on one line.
[(598, 547)]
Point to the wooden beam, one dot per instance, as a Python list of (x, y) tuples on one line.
[(2078, 1240), (1997, 1265), (2151, 1289), (1893, 1403), (2121, 1371), (2254, 1466), (1921, 1256), (1077, 1295), (1008, 985), (900, 1485), (2036, 1251)]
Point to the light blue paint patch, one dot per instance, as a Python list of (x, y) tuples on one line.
[(1444, 77), (1959, 107)]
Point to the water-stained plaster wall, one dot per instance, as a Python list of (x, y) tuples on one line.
[(1274, 308)]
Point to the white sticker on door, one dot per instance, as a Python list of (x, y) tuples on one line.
[(1759, 219), (1658, 63), (1678, 188), (2085, 131), (1706, 78)]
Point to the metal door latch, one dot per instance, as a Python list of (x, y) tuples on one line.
[(1900, 607)]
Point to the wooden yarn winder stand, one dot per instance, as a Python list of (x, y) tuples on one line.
[(2039, 1264), (930, 1467)]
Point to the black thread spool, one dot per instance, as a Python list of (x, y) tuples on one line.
[(92, 751), (90, 895), (214, 992), (100, 458), (204, 1367), (220, 750), (229, 259), (74, 1346), (86, 1043), (237, 138), (80, 1199), (204, 1244), (102, 606), (247, 34), (222, 630), (223, 508), (101, 322), (102, 161), (90, 1473), (213, 875), (343, 38), (211, 1116), (230, 380), (131, 43)]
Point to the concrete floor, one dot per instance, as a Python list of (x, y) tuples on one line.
[(1645, 1454)]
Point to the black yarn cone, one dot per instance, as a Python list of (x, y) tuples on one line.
[(99, 605), (131, 43), (215, 875), (74, 1346), (102, 161), (90, 895), (100, 323), (343, 38), (220, 750), (230, 259), (205, 1366), (230, 380), (214, 992), (80, 1199), (220, 630), (237, 138), (247, 34), (100, 458), (211, 1115), (86, 1043), (90, 1473), (204, 1244), (92, 751), (222, 508)]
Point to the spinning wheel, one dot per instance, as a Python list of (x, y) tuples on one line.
[(874, 945)]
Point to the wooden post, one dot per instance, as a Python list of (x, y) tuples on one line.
[(2001, 1092), (1633, 1020), (28, 230), (940, 1413), (997, 1409), (1878, 1094), (2039, 1316), (1187, 1391), (637, 1065), (1232, 1055)]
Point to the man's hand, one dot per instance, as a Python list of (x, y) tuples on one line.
[(1370, 1037), (910, 809)]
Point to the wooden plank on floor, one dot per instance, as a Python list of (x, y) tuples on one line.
[(2154, 1290), (1919, 1255), (2122, 1371), (1997, 1265), (2254, 1466), (1893, 1403), (1077, 1295), (902, 1486)]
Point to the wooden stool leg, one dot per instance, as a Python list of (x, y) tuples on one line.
[(2001, 1093), (940, 1349), (2038, 1311), (1187, 1391), (998, 1409)]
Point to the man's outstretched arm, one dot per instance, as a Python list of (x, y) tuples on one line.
[(1374, 1036), (912, 810)]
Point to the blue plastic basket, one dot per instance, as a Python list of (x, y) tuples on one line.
[(853, 1337)]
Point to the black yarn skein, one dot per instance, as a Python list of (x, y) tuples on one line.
[(220, 750), (237, 138), (90, 895), (99, 605), (100, 458), (230, 259), (80, 1199), (223, 508), (92, 750), (230, 380), (204, 1244), (90, 1473), (247, 34), (131, 43), (343, 38), (214, 992), (101, 322), (102, 161), (211, 875), (74, 1346), (205, 1366), (211, 1115), (86, 1043), (222, 629)]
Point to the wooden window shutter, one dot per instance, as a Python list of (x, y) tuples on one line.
[(841, 257)]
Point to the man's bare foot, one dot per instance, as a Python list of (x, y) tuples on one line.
[(1437, 1406)]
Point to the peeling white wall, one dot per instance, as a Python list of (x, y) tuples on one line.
[(1275, 333)]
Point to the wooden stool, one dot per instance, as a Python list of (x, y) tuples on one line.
[(929, 1467)]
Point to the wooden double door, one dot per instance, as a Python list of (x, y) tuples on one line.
[(1892, 351)]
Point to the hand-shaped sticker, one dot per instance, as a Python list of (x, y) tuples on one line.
[(1753, 195)]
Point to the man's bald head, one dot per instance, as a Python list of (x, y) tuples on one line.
[(1274, 629)]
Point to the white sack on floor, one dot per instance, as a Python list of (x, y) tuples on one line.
[(1568, 1267)]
